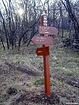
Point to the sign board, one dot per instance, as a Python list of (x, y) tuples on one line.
[(48, 30), (42, 40), (43, 51), (41, 20), (45, 20)]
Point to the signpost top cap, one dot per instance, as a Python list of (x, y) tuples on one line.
[(45, 13)]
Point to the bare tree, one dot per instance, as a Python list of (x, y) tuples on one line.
[(5, 30), (61, 17), (73, 17)]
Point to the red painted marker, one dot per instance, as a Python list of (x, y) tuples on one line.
[(43, 51)]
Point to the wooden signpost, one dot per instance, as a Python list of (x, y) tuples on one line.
[(42, 40), (48, 30), (45, 40)]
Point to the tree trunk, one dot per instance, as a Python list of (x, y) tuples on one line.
[(74, 20), (2, 43)]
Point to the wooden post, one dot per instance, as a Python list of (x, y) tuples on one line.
[(46, 64), (47, 75)]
